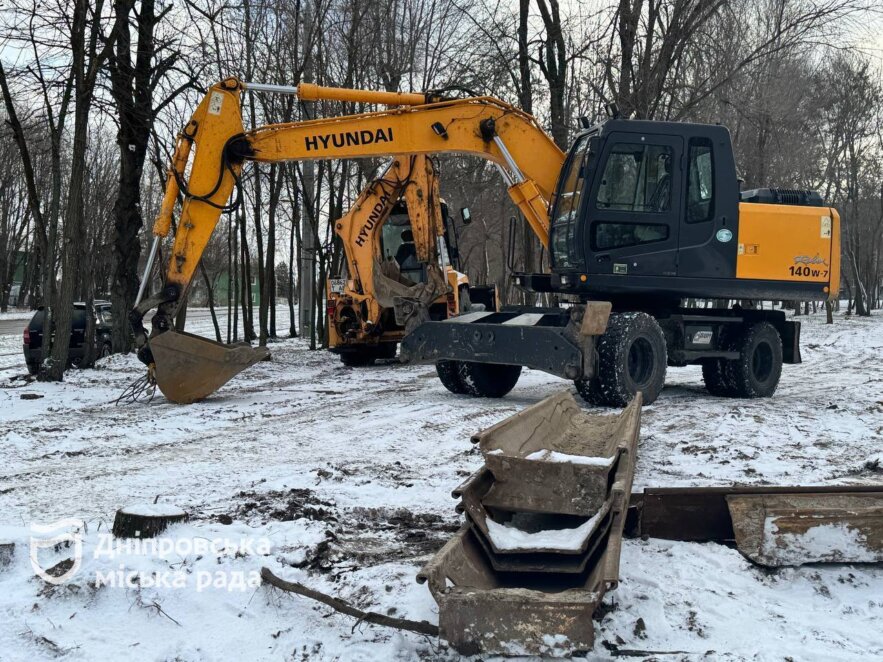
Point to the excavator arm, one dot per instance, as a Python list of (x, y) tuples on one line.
[(415, 125)]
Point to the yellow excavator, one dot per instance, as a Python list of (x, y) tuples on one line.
[(399, 244), (638, 216)]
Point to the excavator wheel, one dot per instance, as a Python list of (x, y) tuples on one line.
[(385, 350), (489, 380), (632, 357), (590, 390), (716, 372), (366, 355), (449, 373), (756, 373), (464, 299)]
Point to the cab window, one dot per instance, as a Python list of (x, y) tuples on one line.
[(606, 236), (637, 178), (566, 209), (700, 181), (398, 250)]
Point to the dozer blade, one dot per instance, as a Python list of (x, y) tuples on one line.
[(189, 368)]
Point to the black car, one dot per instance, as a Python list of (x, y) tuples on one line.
[(33, 335)]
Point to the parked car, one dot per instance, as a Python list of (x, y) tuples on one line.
[(33, 335)]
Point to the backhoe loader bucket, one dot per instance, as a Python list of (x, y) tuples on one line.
[(189, 368)]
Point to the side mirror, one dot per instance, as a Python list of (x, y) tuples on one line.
[(466, 215)]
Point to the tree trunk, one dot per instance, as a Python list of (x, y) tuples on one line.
[(292, 256), (210, 293), (554, 68), (72, 232), (131, 87), (246, 291)]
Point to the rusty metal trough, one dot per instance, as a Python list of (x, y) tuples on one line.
[(793, 529), (544, 522), (554, 457)]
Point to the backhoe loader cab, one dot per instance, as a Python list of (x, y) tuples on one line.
[(399, 250), (645, 215), (362, 324)]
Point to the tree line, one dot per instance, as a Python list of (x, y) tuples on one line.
[(94, 92)]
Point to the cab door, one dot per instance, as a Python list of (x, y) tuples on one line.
[(710, 225), (635, 204)]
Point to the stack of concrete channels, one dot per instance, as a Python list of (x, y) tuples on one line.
[(543, 531)]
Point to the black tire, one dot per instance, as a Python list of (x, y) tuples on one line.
[(358, 359), (756, 373), (632, 357), (105, 350), (716, 372), (716, 378), (489, 380), (450, 375), (590, 390)]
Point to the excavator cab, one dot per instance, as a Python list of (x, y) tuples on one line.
[(650, 212)]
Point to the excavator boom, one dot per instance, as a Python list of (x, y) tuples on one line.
[(415, 125)]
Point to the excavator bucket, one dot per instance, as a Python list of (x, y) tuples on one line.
[(189, 368)]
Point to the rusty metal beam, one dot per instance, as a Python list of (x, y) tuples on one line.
[(701, 514)]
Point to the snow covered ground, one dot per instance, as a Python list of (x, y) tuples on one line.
[(340, 478), (17, 314)]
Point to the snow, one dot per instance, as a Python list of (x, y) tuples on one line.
[(831, 541), (153, 510), (17, 314), (546, 455), (347, 474), (509, 538)]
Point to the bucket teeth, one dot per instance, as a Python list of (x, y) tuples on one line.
[(189, 368)]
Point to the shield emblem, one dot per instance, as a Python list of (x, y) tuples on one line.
[(44, 536)]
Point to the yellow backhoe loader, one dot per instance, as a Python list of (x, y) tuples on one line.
[(636, 217), (399, 244)]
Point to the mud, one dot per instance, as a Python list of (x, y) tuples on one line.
[(288, 506), (355, 537)]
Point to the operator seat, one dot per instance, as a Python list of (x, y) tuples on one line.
[(406, 256)]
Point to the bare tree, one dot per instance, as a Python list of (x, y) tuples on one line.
[(136, 70)]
